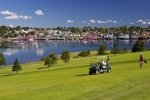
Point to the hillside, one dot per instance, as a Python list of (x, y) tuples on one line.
[(72, 82)]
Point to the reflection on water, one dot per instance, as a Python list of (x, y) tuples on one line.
[(10, 52), (28, 51), (40, 52)]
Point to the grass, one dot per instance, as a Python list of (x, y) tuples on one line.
[(72, 82)]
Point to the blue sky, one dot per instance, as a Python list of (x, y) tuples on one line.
[(66, 13)]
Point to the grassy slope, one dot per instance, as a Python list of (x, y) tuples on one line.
[(72, 82)]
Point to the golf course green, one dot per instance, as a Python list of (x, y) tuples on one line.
[(71, 81)]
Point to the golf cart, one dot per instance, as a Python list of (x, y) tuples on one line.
[(99, 65)]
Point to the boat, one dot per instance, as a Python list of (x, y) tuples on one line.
[(108, 36), (123, 36)]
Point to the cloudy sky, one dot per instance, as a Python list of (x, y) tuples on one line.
[(53, 13)]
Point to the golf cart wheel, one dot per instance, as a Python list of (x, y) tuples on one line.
[(90, 73), (96, 73), (109, 70)]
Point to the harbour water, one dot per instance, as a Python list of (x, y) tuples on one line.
[(31, 51)]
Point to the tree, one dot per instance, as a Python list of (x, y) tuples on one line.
[(3, 31), (54, 58), (4, 44), (65, 56), (115, 49), (16, 67), (138, 46), (48, 61), (86, 29), (124, 29), (2, 59), (18, 28), (84, 53), (102, 49)]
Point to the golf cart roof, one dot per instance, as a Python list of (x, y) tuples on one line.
[(98, 58), (102, 57)]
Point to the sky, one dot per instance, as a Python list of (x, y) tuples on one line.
[(78, 13)]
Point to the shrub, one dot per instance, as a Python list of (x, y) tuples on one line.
[(116, 49), (54, 58), (43, 59), (4, 44), (2, 59), (75, 56), (84, 53), (16, 67), (48, 61), (138, 46), (65, 56), (124, 50), (102, 49)]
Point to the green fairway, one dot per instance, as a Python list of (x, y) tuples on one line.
[(71, 81)]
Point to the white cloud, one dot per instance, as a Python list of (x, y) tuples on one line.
[(101, 22), (11, 25), (70, 21), (109, 21), (39, 12), (139, 21), (148, 23), (7, 12), (115, 21), (83, 21), (131, 23), (144, 23), (25, 17), (92, 21), (106, 21), (88, 23), (11, 15), (15, 17)]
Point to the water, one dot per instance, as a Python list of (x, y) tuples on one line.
[(32, 51)]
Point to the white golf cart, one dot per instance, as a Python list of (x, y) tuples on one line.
[(99, 65)]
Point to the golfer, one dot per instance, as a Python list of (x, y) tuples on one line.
[(141, 60)]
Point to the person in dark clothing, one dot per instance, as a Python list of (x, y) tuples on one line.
[(107, 64), (141, 60)]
